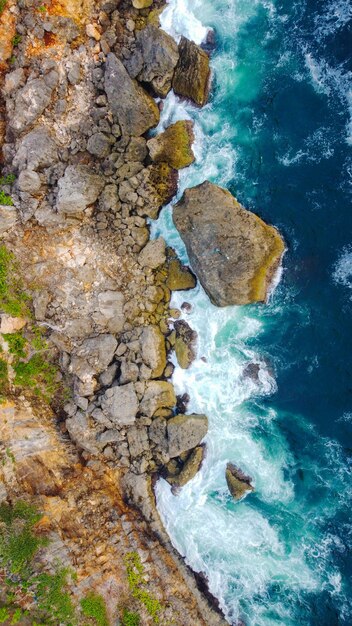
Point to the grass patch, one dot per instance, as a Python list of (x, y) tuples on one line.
[(137, 585), (3, 372), (17, 344), (5, 199), (18, 543), (16, 40), (130, 619), (93, 606), (37, 374), (2, 5), (53, 598), (13, 299)]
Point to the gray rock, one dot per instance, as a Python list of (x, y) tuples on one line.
[(78, 188), (107, 377), (29, 181), (153, 254), (109, 436), (120, 404), (8, 218), (153, 350), (36, 150), (185, 432), (158, 434), (31, 102), (159, 394), (93, 356), (154, 60), (13, 80), (233, 252), (41, 300), (99, 144), (122, 91), (137, 440), (111, 305), (74, 73), (129, 372), (81, 434)]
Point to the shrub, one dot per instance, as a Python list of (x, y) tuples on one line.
[(18, 543), (130, 619), (13, 300), (137, 585), (93, 606), (53, 599)]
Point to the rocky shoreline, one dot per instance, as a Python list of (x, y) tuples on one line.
[(83, 179)]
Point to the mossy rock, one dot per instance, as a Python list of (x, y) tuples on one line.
[(179, 276), (189, 469), (238, 483), (174, 146), (192, 74)]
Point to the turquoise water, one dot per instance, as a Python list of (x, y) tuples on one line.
[(277, 132)]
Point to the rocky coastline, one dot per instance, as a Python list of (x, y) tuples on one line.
[(82, 85)]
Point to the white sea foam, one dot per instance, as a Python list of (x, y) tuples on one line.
[(342, 271), (336, 15)]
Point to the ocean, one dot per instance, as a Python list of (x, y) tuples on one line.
[(277, 132)]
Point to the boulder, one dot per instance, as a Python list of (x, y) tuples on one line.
[(142, 4), (137, 440), (99, 145), (36, 150), (157, 433), (174, 145), (110, 304), (185, 432), (154, 59), (179, 276), (185, 344), (159, 394), (134, 110), (158, 185), (78, 188), (189, 470), (93, 356), (233, 252), (120, 404), (192, 74), (80, 432), (29, 181), (8, 218), (31, 101), (153, 350), (10, 325), (153, 254), (238, 483)]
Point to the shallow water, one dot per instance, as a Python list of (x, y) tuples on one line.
[(277, 132)]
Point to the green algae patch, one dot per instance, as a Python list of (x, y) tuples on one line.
[(174, 146)]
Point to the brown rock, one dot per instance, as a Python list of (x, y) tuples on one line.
[(157, 187), (174, 145), (238, 483), (179, 276), (233, 252), (192, 74), (159, 394), (189, 469), (153, 350), (185, 432), (185, 344)]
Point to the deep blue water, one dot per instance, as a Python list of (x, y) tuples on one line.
[(278, 134)]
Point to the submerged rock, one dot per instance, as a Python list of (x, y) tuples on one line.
[(232, 251), (238, 483), (174, 145), (185, 344), (154, 59), (192, 74), (185, 432), (122, 91)]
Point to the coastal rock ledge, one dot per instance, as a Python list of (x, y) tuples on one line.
[(232, 251)]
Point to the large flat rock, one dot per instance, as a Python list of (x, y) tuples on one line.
[(232, 251)]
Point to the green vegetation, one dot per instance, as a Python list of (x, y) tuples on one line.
[(18, 543), (93, 606), (5, 199), (37, 374), (42, 8), (16, 39), (137, 584), (17, 344), (13, 300), (4, 615), (53, 599), (130, 619), (2, 5), (3, 372)]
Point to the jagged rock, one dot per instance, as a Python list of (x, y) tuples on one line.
[(36, 150), (93, 356), (185, 432), (137, 440), (158, 185), (238, 483), (78, 188), (8, 218), (179, 277), (122, 91), (158, 394), (192, 74), (153, 254), (154, 59), (233, 252), (189, 469), (111, 305), (157, 433), (41, 299), (185, 344), (120, 404), (174, 145), (129, 372), (81, 434), (108, 377), (29, 181), (9, 325), (13, 80), (153, 350), (30, 103)]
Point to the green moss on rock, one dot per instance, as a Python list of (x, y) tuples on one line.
[(174, 145)]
